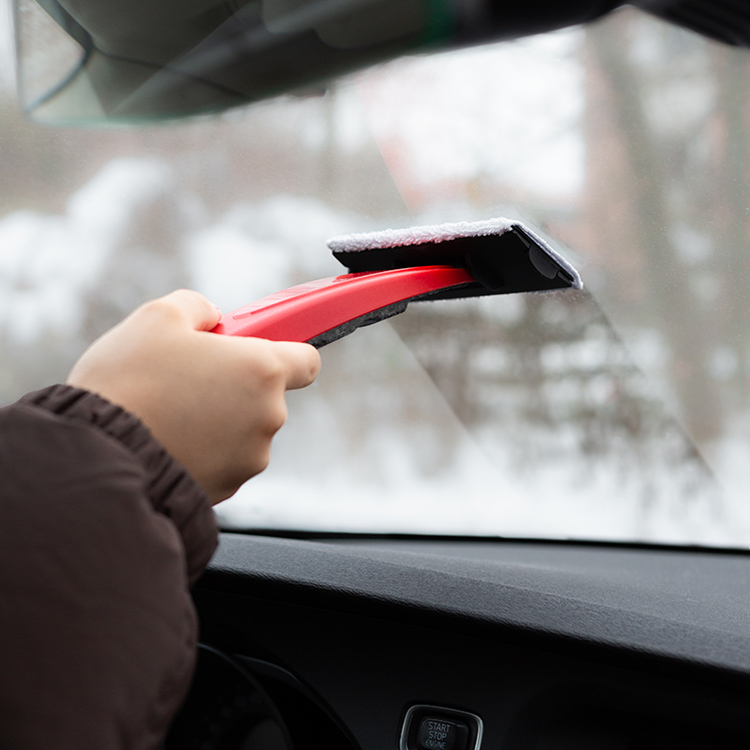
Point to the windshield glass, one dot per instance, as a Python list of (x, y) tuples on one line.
[(616, 412)]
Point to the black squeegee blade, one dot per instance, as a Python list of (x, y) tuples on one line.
[(500, 263)]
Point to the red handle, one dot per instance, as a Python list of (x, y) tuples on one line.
[(304, 312)]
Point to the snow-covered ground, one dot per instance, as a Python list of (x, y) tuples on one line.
[(50, 263)]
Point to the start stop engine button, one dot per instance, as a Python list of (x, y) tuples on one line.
[(437, 728), (440, 734)]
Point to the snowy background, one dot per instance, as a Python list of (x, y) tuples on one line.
[(563, 415)]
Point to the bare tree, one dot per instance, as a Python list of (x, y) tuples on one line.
[(641, 179)]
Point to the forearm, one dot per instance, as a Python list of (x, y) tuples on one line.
[(101, 532)]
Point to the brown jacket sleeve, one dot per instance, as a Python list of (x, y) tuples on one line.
[(101, 533)]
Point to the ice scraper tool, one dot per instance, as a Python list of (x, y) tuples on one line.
[(390, 269)]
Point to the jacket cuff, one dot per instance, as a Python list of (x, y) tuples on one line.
[(168, 485)]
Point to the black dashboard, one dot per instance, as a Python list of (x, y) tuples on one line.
[(455, 645)]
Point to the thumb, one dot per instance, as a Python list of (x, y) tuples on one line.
[(201, 314)]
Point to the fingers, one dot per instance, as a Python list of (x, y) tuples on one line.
[(301, 363), (201, 314), (162, 363), (296, 363)]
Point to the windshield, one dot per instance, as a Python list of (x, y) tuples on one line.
[(616, 412)]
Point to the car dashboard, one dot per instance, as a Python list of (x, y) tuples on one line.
[(451, 644)]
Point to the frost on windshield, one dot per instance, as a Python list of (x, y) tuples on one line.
[(617, 412)]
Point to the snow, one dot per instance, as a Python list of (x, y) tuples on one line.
[(48, 263), (363, 241), (102, 208), (230, 267), (40, 284), (257, 249)]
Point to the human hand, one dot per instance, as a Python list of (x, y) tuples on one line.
[(214, 402)]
